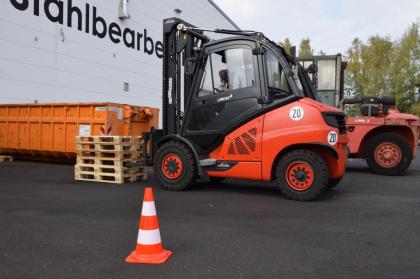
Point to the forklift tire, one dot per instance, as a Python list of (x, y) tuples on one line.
[(302, 175), (174, 167), (333, 182), (388, 154)]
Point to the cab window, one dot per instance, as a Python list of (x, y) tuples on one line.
[(227, 70), (276, 78)]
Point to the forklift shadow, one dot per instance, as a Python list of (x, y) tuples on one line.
[(330, 195), (366, 170), (361, 169), (246, 187), (357, 165), (240, 186)]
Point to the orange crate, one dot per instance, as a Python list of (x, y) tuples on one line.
[(42, 130)]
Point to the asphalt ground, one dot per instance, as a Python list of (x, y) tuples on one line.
[(54, 227)]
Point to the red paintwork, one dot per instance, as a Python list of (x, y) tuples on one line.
[(276, 132), (361, 129), (321, 106), (296, 182), (174, 159), (249, 165), (388, 155)]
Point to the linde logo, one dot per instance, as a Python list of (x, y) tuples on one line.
[(226, 98), (90, 21)]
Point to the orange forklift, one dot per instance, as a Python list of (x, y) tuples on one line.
[(386, 138), (380, 134), (240, 107)]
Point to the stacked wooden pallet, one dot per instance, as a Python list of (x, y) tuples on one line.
[(111, 159)]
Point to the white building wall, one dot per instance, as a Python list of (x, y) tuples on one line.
[(49, 62)]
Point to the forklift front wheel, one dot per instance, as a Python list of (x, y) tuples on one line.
[(302, 175), (174, 166)]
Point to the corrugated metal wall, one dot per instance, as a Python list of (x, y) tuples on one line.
[(51, 62)]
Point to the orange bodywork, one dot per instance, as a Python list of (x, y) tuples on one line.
[(362, 129), (257, 145)]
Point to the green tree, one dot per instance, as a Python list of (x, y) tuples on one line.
[(354, 75), (368, 68), (305, 49), (405, 74), (287, 45), (384, 67)]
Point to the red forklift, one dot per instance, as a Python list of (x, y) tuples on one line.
[(384, 137), (241, 108)]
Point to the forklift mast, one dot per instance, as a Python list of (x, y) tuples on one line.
[(178, 49)]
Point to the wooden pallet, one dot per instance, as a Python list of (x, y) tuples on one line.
[(109, 174), (105, 178), (98, 161), (119, 169), (106, 162), (110, 139), (109, 155), (109, 159), (4, 158), (105, 147), (117, 147)]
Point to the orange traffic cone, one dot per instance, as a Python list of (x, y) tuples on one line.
[(149, 246)]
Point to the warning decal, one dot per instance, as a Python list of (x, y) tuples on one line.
[(332, 138), (296, 113)]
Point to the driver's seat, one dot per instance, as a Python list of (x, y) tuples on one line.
[(224, 79)]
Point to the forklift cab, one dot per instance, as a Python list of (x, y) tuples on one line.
[(236, 79)]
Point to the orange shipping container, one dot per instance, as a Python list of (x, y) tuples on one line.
[(51, 129)]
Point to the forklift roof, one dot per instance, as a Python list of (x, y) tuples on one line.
[(237, 35)]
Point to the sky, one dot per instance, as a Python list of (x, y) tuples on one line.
[(330, 25)]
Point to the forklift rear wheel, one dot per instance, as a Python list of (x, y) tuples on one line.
[(388, 154), (175, 167), (302, 175)]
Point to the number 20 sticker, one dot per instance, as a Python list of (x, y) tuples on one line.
[(296, 113), (332, 138)]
